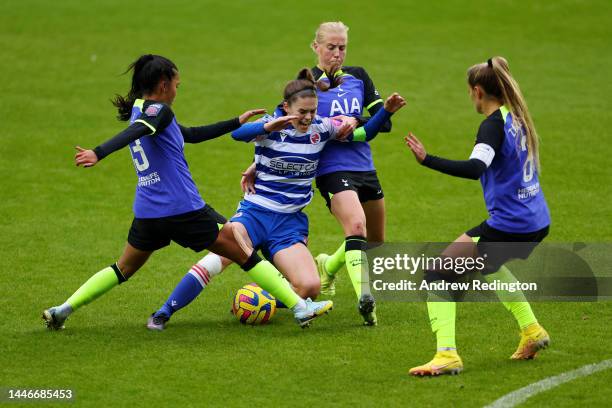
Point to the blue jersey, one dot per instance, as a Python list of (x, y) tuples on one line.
[(350, 98), (165, 186), (510, 184), (286, 163)]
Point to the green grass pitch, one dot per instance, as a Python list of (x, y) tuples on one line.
[(61, 62)]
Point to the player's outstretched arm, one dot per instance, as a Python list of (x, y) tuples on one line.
[(369, 131), (249, 131), (89, 158), (202, 133), (470, 169)]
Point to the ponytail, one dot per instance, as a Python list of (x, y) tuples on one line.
[(496, 80), (147, 71), (306, 86)]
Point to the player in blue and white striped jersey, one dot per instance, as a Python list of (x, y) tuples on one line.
[(286, 162), (287, 151)]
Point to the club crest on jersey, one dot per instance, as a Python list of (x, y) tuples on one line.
[(315, 138), (153, 110)]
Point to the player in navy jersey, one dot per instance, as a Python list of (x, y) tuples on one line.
[(505, 159), (168, 206), (347, 178), (287, 153)]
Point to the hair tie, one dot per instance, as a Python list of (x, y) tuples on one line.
[(490, 63), (308, 88)]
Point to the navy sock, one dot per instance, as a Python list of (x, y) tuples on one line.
[(184, 293)]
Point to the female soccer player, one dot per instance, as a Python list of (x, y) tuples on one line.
[(346, 177), (287, 152), (168, 206), (505, 158)]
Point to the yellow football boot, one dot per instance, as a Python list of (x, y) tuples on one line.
[(444, 362), (533, 339)]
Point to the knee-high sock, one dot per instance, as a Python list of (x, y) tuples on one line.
[(515, 302), (271, 280), (96, 286), (442, 319), (192, 284), (336, 260), (357, 263)]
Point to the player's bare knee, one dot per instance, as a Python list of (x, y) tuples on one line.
[(357, 227)]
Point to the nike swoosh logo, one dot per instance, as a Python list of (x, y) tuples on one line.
[(341, 94), (436, 368)]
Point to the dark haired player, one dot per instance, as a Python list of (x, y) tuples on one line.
[(168, 206)]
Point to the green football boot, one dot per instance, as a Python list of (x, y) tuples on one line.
[(328, 282)]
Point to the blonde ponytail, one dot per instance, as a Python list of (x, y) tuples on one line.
[(496, 80)]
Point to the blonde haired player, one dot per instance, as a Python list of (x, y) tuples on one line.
[(505, 158)]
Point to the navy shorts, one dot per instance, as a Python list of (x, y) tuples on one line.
[(196, 230), (501, 247), (364, 183)]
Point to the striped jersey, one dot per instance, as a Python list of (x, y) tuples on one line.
[(286, 164)]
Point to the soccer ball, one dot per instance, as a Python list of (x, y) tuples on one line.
[(253, 305)]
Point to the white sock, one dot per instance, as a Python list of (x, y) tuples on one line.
[(206, 268), (212, 263)]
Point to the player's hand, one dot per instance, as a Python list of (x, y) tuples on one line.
[(394, 102), (280, 123), (416, 147), (85, 158), (347, 125), (244, 118), (247, 182)]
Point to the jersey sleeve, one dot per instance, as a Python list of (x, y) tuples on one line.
[(207, 132), (371, 97), (124, 138), (372, 102), (488, 140), (156, 116), (252, 131), (470, 169)]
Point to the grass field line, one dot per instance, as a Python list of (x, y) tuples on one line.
[(523, 394)]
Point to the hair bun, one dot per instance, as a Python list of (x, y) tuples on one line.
[(306, 74)]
